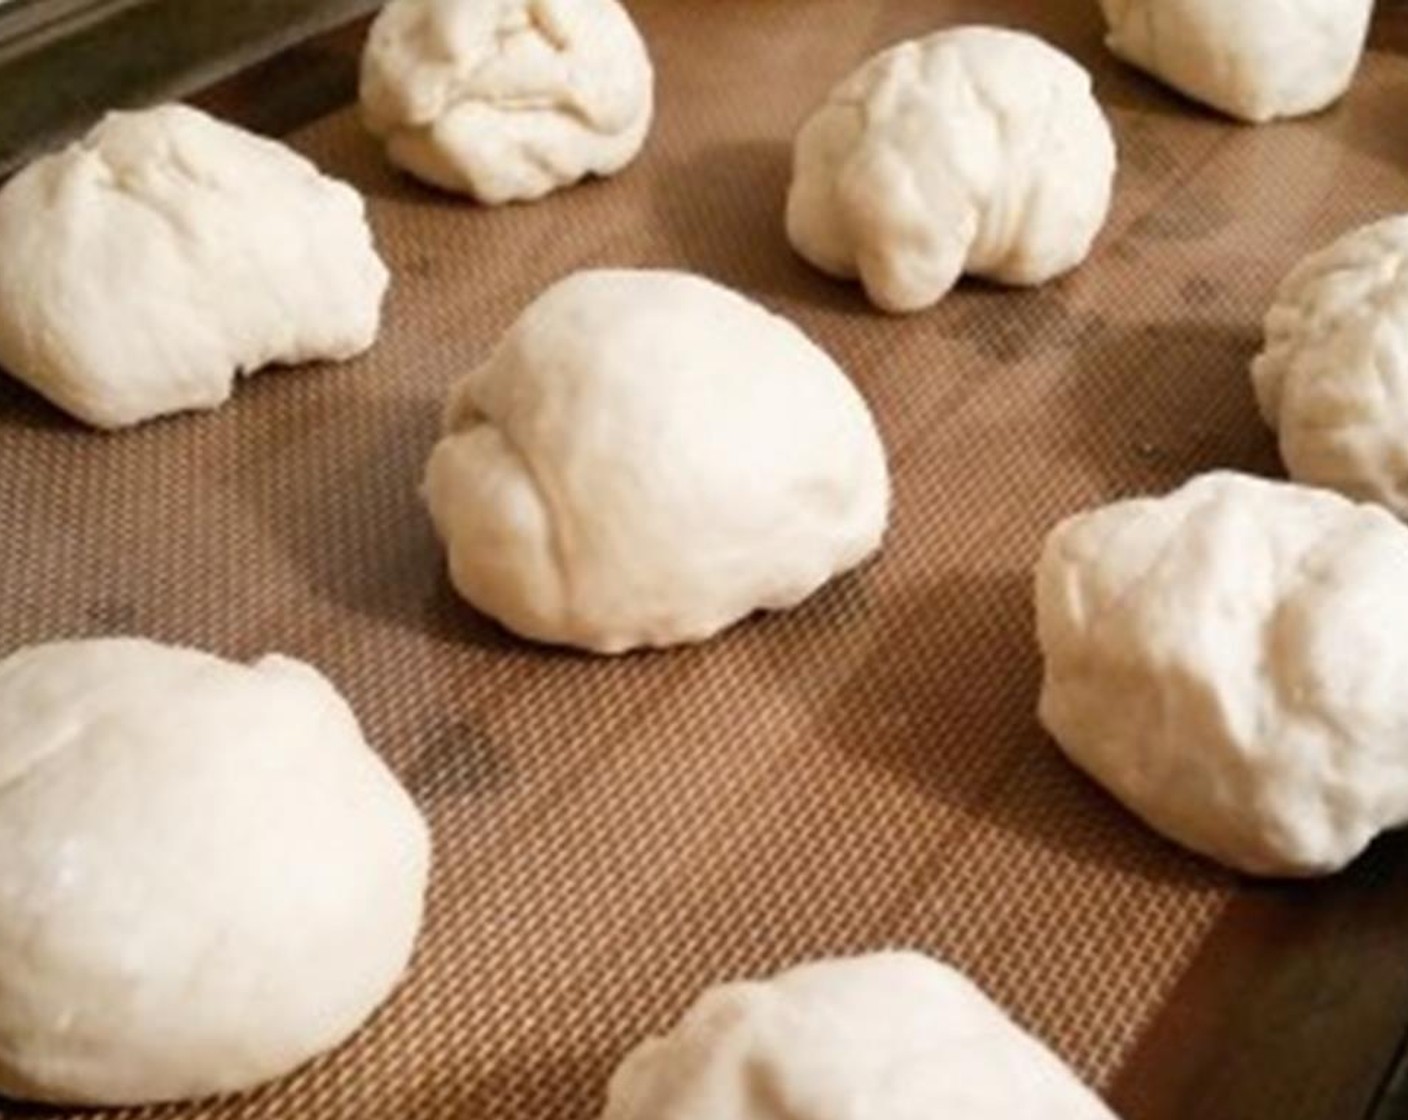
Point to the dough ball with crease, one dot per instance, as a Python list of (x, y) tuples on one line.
[(1231, 662), (891, 1035), (145, 267), (974, 151), (208, 878), (1332, 379), (1256, 60), (648, 457), (507, 100)]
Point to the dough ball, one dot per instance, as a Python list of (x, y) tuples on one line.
[(209, 877), (145, 266), (890, 1035), (1231, 661), (508, 100), (1333, 377), (645, 459), (975, 150), (1253, 59)]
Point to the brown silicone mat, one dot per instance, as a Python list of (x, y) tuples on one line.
[(866, 771)]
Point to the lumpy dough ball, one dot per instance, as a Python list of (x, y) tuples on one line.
[(1252, 59), (976, 150), (1231, 662), (146, 266), (208, 876), (507, 100), (647, 458), (1333, 376), (889, 1035)]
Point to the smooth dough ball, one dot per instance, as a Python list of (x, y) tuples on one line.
[(1333, 376), (208, 878), (1231, 662), (145, 266), (975, 150), (648, 457), (510, 99), (894, 1036), (1252, 59)]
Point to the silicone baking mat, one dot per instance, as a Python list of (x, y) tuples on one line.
[(865, 771)]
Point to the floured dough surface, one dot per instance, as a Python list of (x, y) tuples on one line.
[(648, 457), (1253, 59), (507, 100), (147, 265), (1332, 379), (208, 877), (976, 150), (1231, 661), (895, 1036)]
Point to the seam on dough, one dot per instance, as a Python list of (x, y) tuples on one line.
[(64, 742), (546, 496), (539, 22)]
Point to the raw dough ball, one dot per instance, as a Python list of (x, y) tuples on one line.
[(647, 458), (209, 877), (1253, 59), (1333, 378), (510, 99), (1231, 661), (893, 1036), (144, 267), (975, 150)]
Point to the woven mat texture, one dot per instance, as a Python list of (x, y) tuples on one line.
[(866, 771)]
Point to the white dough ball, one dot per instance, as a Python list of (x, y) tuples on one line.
[(648, 457), (975, 150), (507, 100), (1333, 376), (208, 877), (1252, 59), (1231, 662), (893, 1036), (146, 266)]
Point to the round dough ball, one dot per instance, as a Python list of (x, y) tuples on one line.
[(1333, 376), (648, 457), (509, 100), (889, 1035), (1252, 59), (1231, 662), (209, 877), (145, 266), (975, 150)]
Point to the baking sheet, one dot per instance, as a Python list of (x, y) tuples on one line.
[(866, 771)]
